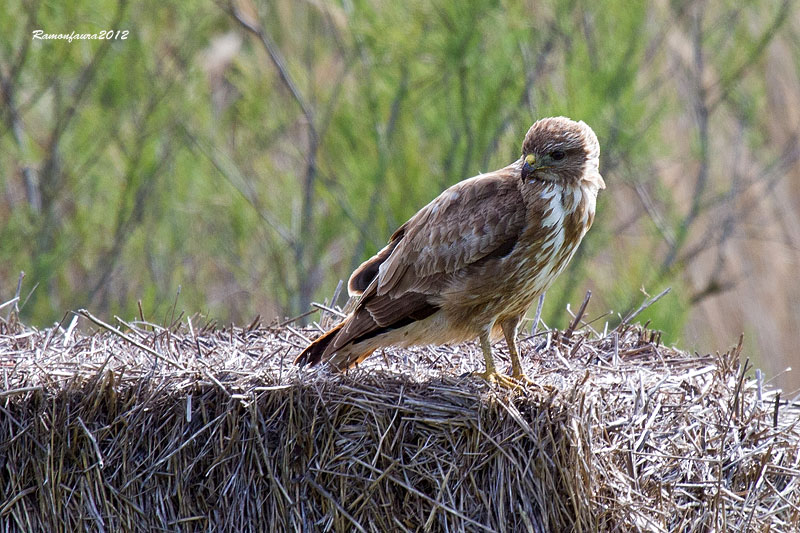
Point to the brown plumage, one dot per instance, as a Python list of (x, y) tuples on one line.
[(471, 262)]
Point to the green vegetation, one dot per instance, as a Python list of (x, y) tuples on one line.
[(249, 155)]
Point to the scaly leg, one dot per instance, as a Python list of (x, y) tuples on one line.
[(510, 326), (491, 374)]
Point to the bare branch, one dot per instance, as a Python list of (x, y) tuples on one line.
[(727, 84), (85, 79), (306, 214), (230, 172), (277, 60), (702, 113)]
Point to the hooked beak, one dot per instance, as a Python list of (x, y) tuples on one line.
[(528, 166)]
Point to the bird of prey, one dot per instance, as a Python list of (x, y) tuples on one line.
[(470, 263)]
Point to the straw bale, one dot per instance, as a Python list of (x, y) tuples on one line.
[(136, 427)]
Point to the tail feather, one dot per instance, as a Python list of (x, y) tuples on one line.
[(346, 358), (340, 359), (313, 353), (362, 332)]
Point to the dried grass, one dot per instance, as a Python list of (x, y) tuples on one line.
[(186, 429)]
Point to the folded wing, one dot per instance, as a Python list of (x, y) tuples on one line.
[(475, 219)]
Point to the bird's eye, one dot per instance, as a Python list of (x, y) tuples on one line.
[(557, 155)]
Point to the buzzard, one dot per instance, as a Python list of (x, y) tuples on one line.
[(470, 263)]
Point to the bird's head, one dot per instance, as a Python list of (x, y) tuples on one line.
[(562, 150)]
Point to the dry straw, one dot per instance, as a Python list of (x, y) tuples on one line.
[(137, 427)]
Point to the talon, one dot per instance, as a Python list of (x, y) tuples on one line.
[(492, 376), (522, 378)]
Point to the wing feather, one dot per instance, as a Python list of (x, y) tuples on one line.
[(382, 313), (473, 220), (366, 272), (466, 223)]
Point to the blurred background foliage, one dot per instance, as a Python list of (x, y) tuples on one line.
[(239, 158)]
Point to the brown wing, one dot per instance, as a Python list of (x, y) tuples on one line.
[(366, 272), (477, 218), (474, 219)]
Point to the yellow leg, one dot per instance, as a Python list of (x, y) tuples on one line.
[(510, 328), (491, 374)]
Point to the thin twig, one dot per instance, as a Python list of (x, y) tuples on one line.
[(15, 300), (328, 309), (295, 318), (645, 305), (571, 329), (96, 447), (86, 314), (538, 314), (12, 301)]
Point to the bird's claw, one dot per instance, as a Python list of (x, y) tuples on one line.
[(523, 378), (514, 381), (493, 376)]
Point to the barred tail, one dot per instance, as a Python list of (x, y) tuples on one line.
[(340, 359), (313, 353)]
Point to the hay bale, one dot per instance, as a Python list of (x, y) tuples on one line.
[(183, 429)]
